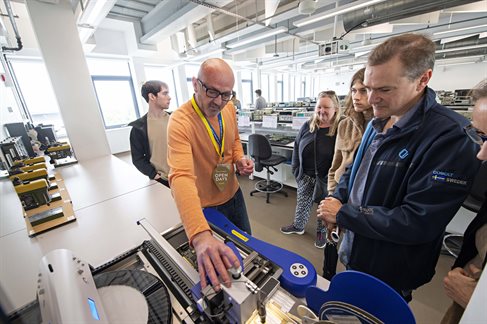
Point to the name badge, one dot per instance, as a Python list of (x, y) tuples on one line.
[(220, 175)]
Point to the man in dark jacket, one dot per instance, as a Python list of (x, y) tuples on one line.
[(412, 171), (148, 137)]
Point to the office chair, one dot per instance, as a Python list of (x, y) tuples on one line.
[(260, 150), (452, 243)]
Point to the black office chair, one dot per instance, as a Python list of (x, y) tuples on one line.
[(260, 150), (452, 242)]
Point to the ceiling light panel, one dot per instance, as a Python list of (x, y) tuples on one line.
[(257, 37)]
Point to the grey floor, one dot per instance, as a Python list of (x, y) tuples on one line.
[(429, 302)]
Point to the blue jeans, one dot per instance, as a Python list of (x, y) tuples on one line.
[(236, 211)]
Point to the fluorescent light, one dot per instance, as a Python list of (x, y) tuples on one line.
[(95, 10), (205, 55), (257, 37), (459, 29), (454, 49), (335, 12)]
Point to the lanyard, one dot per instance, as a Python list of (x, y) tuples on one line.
[(218, 142)]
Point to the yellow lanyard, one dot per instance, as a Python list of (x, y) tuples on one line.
[(211, 132)]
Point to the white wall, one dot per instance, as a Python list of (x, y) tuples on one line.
[(119, 139), (9, 111), (453, 77), (57, 35), (338, 82)]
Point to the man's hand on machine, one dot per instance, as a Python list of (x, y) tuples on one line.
[(214, 258)]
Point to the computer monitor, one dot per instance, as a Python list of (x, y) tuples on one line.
[(18, 129), (46, 134)]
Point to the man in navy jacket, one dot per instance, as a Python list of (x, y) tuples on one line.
[(413, 169)]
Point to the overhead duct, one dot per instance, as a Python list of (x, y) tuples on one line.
[(461, 48), (393, 10)]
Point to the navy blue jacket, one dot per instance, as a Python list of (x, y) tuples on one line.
[(139, 147), (410, 198)]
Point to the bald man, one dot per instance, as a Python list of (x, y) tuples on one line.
[(203, 148)]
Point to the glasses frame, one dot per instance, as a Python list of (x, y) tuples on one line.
[(215, 93), (474, 134)]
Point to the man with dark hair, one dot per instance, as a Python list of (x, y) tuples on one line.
[(412, 171), (148, 137), (260, 102)]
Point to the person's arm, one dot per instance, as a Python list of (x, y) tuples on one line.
[(213, 256), (140, 160), (335, 165), (427, 205), (295, 158), (347, 141)]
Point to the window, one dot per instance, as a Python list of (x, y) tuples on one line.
[(116, 99), (264, 86), (114, 91), (247, 89), (37, 93), (165, 75), (280, 89), (191, 71)]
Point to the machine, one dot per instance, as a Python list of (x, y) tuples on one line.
[(19, 176), (158, 282), (60, 154)]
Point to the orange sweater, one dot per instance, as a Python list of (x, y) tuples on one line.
[(192, 158)]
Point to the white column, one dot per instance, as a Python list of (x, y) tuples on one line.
[(57, 35)]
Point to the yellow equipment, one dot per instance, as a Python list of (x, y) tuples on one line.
[(33, 194), (31, 175), (32, 167), (30, 161)]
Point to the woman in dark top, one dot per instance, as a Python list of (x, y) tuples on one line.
[(322, 129)]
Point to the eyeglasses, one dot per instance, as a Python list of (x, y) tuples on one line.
[(475, 135), (213, 93)]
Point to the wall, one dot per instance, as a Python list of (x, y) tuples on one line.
[(9, 111), (458, 76), (57, 34), (119, 139)]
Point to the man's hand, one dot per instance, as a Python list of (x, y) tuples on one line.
[(245, 166), (157, 177), (214, 258), (459, 285), (327, 211)]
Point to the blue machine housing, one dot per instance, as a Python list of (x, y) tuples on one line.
[(298, 273)]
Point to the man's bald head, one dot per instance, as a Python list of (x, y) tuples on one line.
[(217, 76), (216, 70)]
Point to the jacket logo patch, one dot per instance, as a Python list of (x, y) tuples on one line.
[(403, 154), (447, 177)]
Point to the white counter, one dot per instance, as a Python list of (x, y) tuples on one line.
[(108, 197)]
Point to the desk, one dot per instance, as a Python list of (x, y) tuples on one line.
[(284, 171), (105, 227), (10, 205), (97, 180)]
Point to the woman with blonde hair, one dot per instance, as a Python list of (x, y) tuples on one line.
[(312, 155)]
